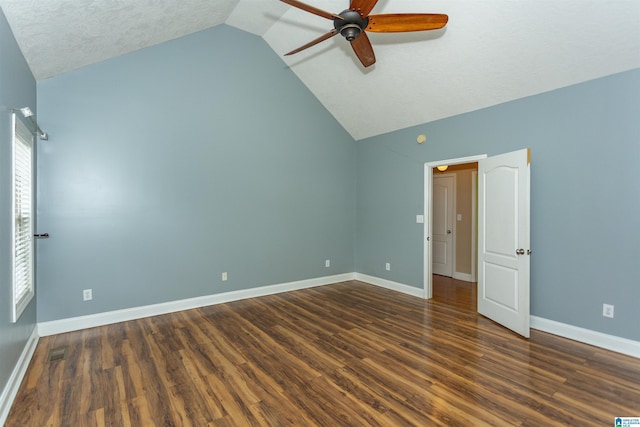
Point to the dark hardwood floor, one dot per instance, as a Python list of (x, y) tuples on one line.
[(348, 354), (455, 292)]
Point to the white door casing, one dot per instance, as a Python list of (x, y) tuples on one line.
[(443, 224), (504, 240)]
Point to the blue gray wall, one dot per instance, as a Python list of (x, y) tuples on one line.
[(170, 165), (206, 154), (585, 196), (17, 89)]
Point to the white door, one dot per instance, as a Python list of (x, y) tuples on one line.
[(503, 239), (442, 247)]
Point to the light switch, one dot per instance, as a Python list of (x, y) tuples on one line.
[(420, 219), (459, 217)]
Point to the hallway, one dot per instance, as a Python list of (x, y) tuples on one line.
[(455, 292)]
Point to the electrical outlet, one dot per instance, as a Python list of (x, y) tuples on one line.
[(387, 266), (87, 295), (224, 276), (607, 310), (327, 263)]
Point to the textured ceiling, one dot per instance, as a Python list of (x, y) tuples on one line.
[(491, 51)]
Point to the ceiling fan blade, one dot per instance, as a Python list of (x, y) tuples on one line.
[(363, 6), (362, 47), (401, 22), (314, 41), (312, 9)]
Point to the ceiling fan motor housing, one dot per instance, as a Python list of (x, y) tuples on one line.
[(351, 24)]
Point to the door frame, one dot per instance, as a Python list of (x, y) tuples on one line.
[(428, 211)]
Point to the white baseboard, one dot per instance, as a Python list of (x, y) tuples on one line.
[(394, 286), (464, 277), (587, 336), (11, 389), (100, 319), (609, 342)]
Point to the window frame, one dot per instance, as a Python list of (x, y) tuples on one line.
[(22, 293)]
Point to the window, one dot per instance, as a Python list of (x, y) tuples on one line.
[(23, 289)]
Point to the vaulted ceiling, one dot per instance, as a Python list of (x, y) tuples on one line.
[(491, 51)]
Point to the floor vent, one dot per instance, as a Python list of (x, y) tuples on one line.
[(57, 354)]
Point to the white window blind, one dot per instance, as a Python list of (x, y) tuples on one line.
[(23, 289)]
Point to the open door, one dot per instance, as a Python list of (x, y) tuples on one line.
[(503, 239)]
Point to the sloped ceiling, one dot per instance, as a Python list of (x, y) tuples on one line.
[(491, 51)]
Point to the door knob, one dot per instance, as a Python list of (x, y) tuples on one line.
[(519, 251), (448, 231)]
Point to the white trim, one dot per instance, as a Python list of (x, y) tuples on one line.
[(426, 235), (474, 224), (109, 317), (13, 384), (388, 284), (22, 142), (465, 277), (587, 336), (608, 342)]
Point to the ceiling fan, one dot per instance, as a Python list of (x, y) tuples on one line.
[(353, 22)]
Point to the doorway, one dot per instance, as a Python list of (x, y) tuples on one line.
[(503, 293), (453, 233), (429, 171)]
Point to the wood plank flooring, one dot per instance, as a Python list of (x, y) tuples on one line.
[(349, 354), (455, 292)]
